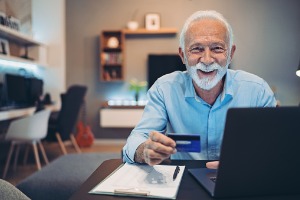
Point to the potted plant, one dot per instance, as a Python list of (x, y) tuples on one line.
[(137, 86)]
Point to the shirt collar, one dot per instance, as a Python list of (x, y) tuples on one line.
[(189, 89), (228, 87)]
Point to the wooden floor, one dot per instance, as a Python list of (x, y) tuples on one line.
[(53, 152)]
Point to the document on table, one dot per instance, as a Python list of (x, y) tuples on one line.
[(141, 180)]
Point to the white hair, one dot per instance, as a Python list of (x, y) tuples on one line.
[(208, 14)]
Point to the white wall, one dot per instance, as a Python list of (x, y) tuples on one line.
[(48, 24)]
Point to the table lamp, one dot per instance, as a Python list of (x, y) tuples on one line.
[(298, 70)]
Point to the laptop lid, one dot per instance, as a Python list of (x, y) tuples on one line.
[(260, 154)]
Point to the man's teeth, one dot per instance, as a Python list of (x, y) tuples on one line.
[(207, 70)]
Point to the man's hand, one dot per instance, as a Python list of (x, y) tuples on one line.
[(212, 165), (156, 149)]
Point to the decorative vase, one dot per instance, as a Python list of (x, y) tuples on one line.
[(136, 96), (132, 25)]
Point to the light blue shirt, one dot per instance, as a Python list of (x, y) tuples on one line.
[(173, 106)]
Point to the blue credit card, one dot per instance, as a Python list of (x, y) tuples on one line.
[(186, 142)]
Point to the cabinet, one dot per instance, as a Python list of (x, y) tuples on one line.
[(21, 48), (112, 51), (112, 56)]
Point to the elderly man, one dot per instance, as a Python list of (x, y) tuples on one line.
[(196, 101)]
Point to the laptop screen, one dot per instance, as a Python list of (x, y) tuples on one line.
[(259, 153)]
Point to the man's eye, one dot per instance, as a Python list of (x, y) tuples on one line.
[(196, 50), (218, 49)]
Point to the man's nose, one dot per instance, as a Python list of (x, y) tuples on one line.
[(206, 57)]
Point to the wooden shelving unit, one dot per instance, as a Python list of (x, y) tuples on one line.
[(112, 56), (18, 41), (112, 59), (16, 36)]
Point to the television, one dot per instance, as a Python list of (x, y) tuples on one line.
[(161, 64)]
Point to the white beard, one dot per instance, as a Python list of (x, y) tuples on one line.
[(207, 83)]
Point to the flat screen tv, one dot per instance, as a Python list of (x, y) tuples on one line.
[(161, 64)]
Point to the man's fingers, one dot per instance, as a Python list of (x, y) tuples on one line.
[(212, 165), (159, 147), (161, 138), (152, 157)]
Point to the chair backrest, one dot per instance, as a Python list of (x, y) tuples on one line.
[(71, 103), (33, 127), (8, 191)]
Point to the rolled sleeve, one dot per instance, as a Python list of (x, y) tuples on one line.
[(133, 142), (154, 119)]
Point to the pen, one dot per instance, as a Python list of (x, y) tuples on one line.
[(177, 169)]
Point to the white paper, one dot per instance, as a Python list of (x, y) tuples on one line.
[(157, 180)]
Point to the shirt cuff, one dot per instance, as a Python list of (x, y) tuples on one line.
[(133, 142)]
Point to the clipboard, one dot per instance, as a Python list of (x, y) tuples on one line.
[(141, 181)]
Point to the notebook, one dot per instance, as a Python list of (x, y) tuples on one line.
[(260, 154)]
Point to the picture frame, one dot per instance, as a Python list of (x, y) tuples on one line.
[(4, 47), (152, 21)]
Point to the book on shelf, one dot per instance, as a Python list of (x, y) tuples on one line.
[(112, 58)]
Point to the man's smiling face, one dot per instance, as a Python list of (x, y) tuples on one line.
[(206, 52)]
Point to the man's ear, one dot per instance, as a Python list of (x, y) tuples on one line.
[(181, 54), (233, 48)]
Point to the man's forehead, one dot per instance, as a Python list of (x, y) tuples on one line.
[(207, 28)]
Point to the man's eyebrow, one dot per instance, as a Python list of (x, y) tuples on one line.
[(197, 44), (218, 43), (223, 44)]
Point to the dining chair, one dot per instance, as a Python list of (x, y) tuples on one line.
[(61, 127), (27, 130), (9, 191)]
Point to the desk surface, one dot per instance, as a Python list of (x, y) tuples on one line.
[(15, 113), (189, 188)]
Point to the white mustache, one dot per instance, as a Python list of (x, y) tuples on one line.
[(207, 68)]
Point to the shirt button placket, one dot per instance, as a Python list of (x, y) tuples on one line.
[(210, 136)]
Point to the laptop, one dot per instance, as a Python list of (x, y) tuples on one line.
[(260, 154)]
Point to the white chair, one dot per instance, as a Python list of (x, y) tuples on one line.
[(28, 130)]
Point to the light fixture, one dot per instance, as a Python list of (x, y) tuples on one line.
[(298, 71), (17, 64)]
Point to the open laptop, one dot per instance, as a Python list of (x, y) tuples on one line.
[(260, 154)]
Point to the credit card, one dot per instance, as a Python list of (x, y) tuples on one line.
[(186, 142)]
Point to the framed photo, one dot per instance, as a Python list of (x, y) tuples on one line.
[(152, 21), (4, 47)]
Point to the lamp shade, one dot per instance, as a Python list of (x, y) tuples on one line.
[(298, 70)]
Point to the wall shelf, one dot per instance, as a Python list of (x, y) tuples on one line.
[(143, 31), (112, 60), (22, 61), (112, 56), (17, 42), (17, 37)]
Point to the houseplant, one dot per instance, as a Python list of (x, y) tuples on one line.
[(137, 86)]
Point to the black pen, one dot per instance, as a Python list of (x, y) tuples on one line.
[(177, 169)]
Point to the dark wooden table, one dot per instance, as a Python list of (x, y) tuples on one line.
[(189, 188)]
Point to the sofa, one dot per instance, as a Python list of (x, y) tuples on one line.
[(63, 176)]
